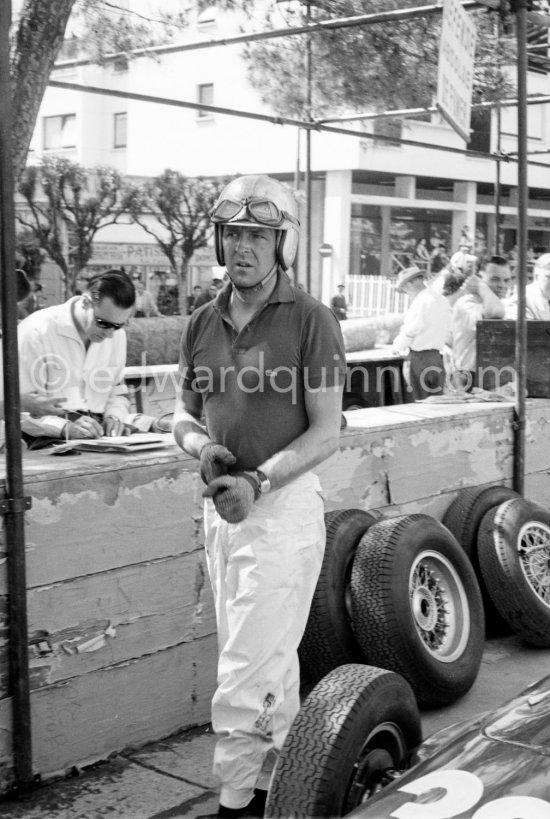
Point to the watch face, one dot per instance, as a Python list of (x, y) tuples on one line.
[(265, 484)]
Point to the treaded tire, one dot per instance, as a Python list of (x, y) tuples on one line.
[(417, 607), (495, 624), (516, 568), (357, 723), (329, 640), (465, 513)]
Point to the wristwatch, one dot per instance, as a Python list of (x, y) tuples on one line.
[(259, 482), (265, 483)]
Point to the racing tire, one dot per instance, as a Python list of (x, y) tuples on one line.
[(351, 401), (515, 564), (464, 515), (357, 724), (329, 639), (495, 624), (417, 607)]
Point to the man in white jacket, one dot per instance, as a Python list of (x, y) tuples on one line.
[(423, 334), (537, 294), (79, 349), (482, 298)]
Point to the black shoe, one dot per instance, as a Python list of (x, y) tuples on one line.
[(254, 810)]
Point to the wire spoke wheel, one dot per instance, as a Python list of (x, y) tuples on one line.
[(439, 606), (534, 558), (417, 607), (514, 557)]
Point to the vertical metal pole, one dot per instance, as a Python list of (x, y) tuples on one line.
[(308, 154), (498, 151), (498, 186), (523, 198), (297, 186), (14, 517)]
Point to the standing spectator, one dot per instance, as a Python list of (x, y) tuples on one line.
[(423, 334), (272, 415), (422, 256), (192, 299), (464, 259), (32, 302), (146, 305), (481, 298), (339, 305), (438, 259), (206, 296), (537, 294)]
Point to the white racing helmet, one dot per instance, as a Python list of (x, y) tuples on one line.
[(258, 200)]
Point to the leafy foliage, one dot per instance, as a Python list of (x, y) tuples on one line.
[(376, 67), (108, 28), (175, 210), (66, 205)]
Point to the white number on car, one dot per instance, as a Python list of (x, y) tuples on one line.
[(463, 790)]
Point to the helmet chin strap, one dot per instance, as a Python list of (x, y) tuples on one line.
[(241, 291)]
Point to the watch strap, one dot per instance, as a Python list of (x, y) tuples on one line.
[(254, 481)]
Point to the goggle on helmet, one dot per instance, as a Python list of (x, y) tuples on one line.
[(258, 200)]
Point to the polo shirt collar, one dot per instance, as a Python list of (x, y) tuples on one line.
[(282, 292)]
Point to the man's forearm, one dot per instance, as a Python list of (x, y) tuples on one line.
[(304, 453), (189, 434)]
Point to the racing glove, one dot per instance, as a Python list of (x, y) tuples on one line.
[(233, 496), (214, 461)]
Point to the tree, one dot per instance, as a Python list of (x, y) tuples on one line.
[(66, 205), (374, 67), (36, 38), (29, 254), (174, 209)]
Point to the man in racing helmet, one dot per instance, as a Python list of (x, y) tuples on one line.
[(264, 363)]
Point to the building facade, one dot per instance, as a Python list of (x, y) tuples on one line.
[(372, 199)]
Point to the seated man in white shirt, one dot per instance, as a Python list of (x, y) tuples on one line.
[(423, 334), (481, 298), (78, 350)]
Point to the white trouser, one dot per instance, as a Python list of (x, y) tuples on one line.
[(263, 573)]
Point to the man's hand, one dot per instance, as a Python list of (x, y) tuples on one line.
[(214, 461), (472, 286), (114, 427), (83, 427), (233, 496), (39, 405)]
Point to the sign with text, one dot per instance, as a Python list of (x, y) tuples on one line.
[(456, 67)]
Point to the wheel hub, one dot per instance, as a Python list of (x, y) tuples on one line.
[(428, 604), (534, 555)]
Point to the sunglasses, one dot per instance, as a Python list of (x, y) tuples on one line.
[(103, 324), (262, 211)]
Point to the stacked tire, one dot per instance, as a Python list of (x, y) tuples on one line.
[(398, 622), (399, 594), (507, 540)]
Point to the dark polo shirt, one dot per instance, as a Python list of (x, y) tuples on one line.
[(253, 381)]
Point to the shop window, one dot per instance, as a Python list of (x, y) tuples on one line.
[(366, 231), (60, 132)]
